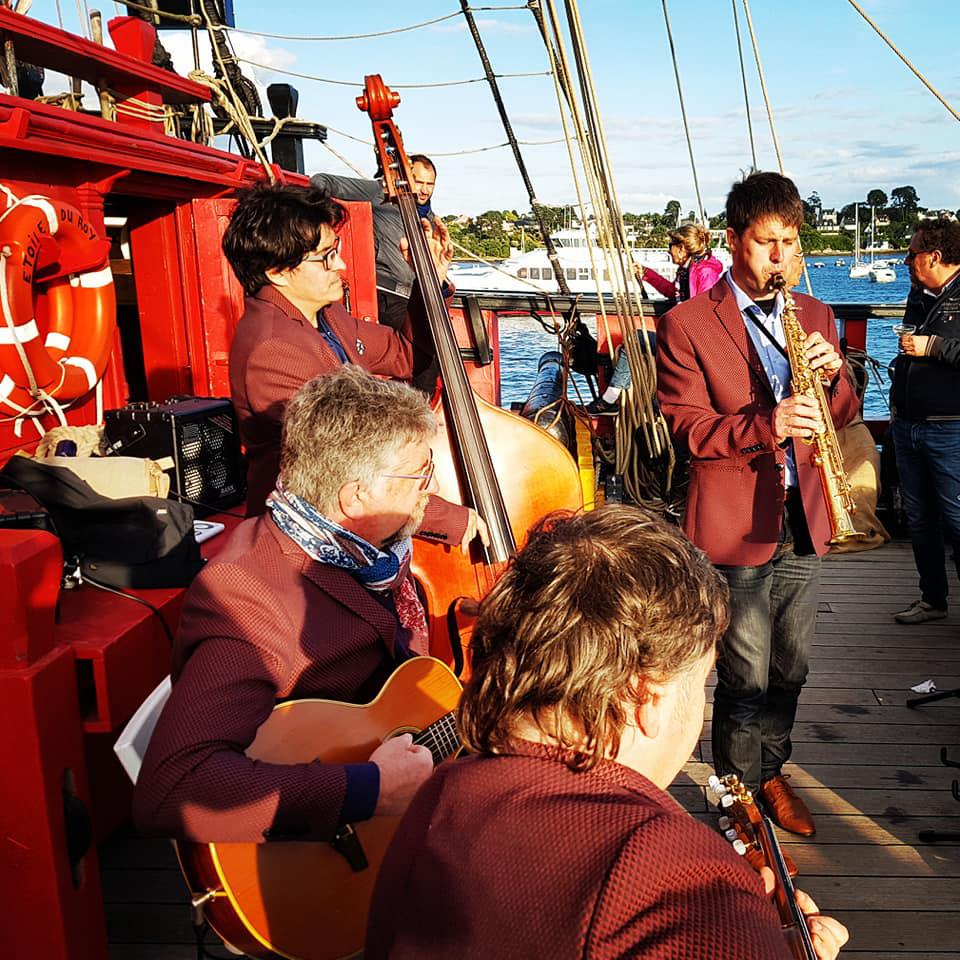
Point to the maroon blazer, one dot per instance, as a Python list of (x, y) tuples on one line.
[(275, 351), (718, 402), (516, 856), (262, 622)]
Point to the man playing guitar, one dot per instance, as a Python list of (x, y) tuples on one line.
[(556, 837), (313, 599)]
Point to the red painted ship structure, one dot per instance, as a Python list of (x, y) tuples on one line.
[(75, 664)]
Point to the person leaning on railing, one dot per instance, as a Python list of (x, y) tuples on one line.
[(697, 270)]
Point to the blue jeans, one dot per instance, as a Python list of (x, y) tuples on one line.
[(763, 663), (928, 461), (621, 378)]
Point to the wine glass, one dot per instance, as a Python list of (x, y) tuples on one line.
[(903, 330)]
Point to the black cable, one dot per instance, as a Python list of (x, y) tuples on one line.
[(131, 596), (206, 506)]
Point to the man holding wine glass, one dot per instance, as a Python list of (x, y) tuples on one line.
[(925, 408)]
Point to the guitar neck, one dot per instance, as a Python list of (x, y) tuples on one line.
[(440, 738), (785, 895)]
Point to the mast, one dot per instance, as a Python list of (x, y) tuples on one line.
[(856, 233), (515, 147)]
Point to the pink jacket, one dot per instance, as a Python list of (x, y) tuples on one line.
[(703, 275)]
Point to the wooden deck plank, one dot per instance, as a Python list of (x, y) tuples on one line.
[(879, 830), (845, 775), (892, 893), (871, 860), (858, 732), (899, 754), (878, 930), (886, 713)]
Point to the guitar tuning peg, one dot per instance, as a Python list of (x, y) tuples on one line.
[(740, 847), (727, 801), (730, 834), (724, 823)]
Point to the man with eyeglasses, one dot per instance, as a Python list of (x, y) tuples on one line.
[(283, 246), (925, 410), (312, 599)]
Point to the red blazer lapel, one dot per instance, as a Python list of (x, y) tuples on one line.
[(343, 588), (732, 320)]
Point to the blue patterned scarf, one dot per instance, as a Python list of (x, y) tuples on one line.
[(328, 542)]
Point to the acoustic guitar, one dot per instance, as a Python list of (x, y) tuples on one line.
[(750, 828), (309, 900)]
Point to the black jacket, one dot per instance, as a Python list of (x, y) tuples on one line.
[(928, 387)]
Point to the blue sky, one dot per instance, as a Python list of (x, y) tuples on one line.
[(849, 115)]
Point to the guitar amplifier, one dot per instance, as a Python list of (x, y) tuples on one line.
[(196, 442)]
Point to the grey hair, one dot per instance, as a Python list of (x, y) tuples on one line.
[(343, 426)]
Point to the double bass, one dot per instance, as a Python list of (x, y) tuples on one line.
[(510, 471)]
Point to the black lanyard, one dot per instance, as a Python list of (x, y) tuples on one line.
[(783, 353)]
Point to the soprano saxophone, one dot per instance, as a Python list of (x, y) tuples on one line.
[(826, 457)]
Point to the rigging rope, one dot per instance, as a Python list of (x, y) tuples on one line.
[(763, 85), (230, 99), (683, 114), (393, 86), (743, 77), (914, 70), (644, 479), (773, 129), (370, 36), (535, 205)]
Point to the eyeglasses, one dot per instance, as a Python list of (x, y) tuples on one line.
[(328, 258), (425, 477)]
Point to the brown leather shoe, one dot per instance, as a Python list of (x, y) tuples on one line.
[(754, 857), (785, 808)]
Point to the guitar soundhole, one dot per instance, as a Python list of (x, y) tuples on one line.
[(400, 731)]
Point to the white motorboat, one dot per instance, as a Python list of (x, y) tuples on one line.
[(882, 274), (581, 259)]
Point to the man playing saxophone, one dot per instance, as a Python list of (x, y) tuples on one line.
[(755, 503)]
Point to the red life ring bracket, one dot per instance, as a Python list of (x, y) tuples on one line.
[(58, 310)]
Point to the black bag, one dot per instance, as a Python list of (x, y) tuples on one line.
[(583, 354), (135, 542)]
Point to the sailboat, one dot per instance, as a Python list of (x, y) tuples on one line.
[(859, 270)]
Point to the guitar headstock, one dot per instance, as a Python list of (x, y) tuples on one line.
[(753, 836), (378, 101), (742, 821)]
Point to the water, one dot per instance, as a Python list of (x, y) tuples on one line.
[(523, 340)]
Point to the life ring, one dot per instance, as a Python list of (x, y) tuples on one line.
[(58, 303)]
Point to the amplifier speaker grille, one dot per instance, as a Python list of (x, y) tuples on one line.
[(195, 439)]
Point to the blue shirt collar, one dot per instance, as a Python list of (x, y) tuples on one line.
[(745, 303)]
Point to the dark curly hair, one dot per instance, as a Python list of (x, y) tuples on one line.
[(274, 226), (941, 234)]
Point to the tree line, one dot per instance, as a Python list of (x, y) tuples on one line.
[(493, 233)]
